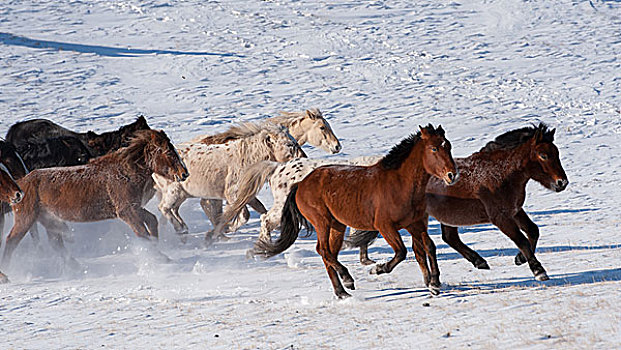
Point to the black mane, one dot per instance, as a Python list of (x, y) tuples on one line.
[(399, 153), (514, 138)]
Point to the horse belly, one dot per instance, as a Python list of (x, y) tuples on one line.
[(456, 211)]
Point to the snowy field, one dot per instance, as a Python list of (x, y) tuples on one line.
[(377, 69)]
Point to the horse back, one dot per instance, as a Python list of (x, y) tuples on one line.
[(37, 130), (74, 193)]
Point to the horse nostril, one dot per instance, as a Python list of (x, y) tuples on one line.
[(561, 183), (18, 197), (450, 176)]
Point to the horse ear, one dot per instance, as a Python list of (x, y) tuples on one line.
[(268, 140), (312, 114), (90, 134), (552, 134), (423, 132), (440, 130)]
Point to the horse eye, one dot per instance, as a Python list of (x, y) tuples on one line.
[(322, 128), (434, 149), (543, 156)]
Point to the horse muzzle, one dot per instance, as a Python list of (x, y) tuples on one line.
[(19, 195), (181, 178), (336, 149), (450, 178), (560, 185)]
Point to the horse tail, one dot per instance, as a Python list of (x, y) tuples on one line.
[(291, 223), (250, 184), (359, 238)]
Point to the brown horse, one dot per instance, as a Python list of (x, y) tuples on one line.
[(386, 196), (492, 189), (9, 193), (116, 185)]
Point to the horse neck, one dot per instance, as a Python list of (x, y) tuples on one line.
[(250, 151), (513, 165), (412, 173), (294, 126)]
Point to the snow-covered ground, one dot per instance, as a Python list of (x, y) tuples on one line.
[(377, 69)]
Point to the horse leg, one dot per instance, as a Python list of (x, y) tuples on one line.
[(169, 206), (55, 232), (391, 235), (509, 227), (134, 218), (151, 222), (213, 209), (532, 231), (450, 235), (423, 245), (256, 204), (270, 221), (23, 222), (322, 225), (337, 233)]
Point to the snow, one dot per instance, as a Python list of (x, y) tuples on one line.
[(377, 69)]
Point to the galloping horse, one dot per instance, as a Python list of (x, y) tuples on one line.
[(492, 189), (215, 168), (37, 130), (116, 185), (306, 127), (387, 196), (9, 192), (52, 152)]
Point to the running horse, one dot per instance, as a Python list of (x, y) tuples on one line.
[(385, 197), (116, 185), (9, 193), (492, 189)]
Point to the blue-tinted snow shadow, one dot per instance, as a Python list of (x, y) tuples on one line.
[(474, 288), (107, 51)]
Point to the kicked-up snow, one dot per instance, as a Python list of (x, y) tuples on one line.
[(377, 69)]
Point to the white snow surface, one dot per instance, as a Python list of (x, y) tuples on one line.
[(377, 69)]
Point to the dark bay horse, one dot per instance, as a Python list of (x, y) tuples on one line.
[(116, 185), (37, 130), (52, 152), (492, 189), (9, 193), (386, 197)]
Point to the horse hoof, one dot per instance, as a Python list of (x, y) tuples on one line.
[(377, 269), (434, 290), (367, 262), (343, 295), (542, 276), (3, 278), (183, 239), (349, 285), (519, 259), (481, 265)]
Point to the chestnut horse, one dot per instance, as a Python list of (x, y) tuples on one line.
[(9, 193), (492, 189), (116, 185), (386, 196)]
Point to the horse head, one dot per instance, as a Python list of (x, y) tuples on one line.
[(317, 132), (12, 160), (282, 146), (164, 159), (9, 190), (545, 160), (437, 158)]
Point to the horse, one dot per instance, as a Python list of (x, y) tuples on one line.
[(37, 130), (9, 192), (281, 178), (116, 185), (492, 189), (52, 152), (215, 168), (308, 126), (386, 196), (16, 167)]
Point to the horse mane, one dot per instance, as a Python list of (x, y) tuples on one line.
[(134, 154), (400, 152), (514, 138), (288, 118), (236, 132)]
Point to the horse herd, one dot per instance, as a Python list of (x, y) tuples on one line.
[(85, 177)]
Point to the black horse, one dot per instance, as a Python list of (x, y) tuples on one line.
[(57, 151), (36, 130)]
